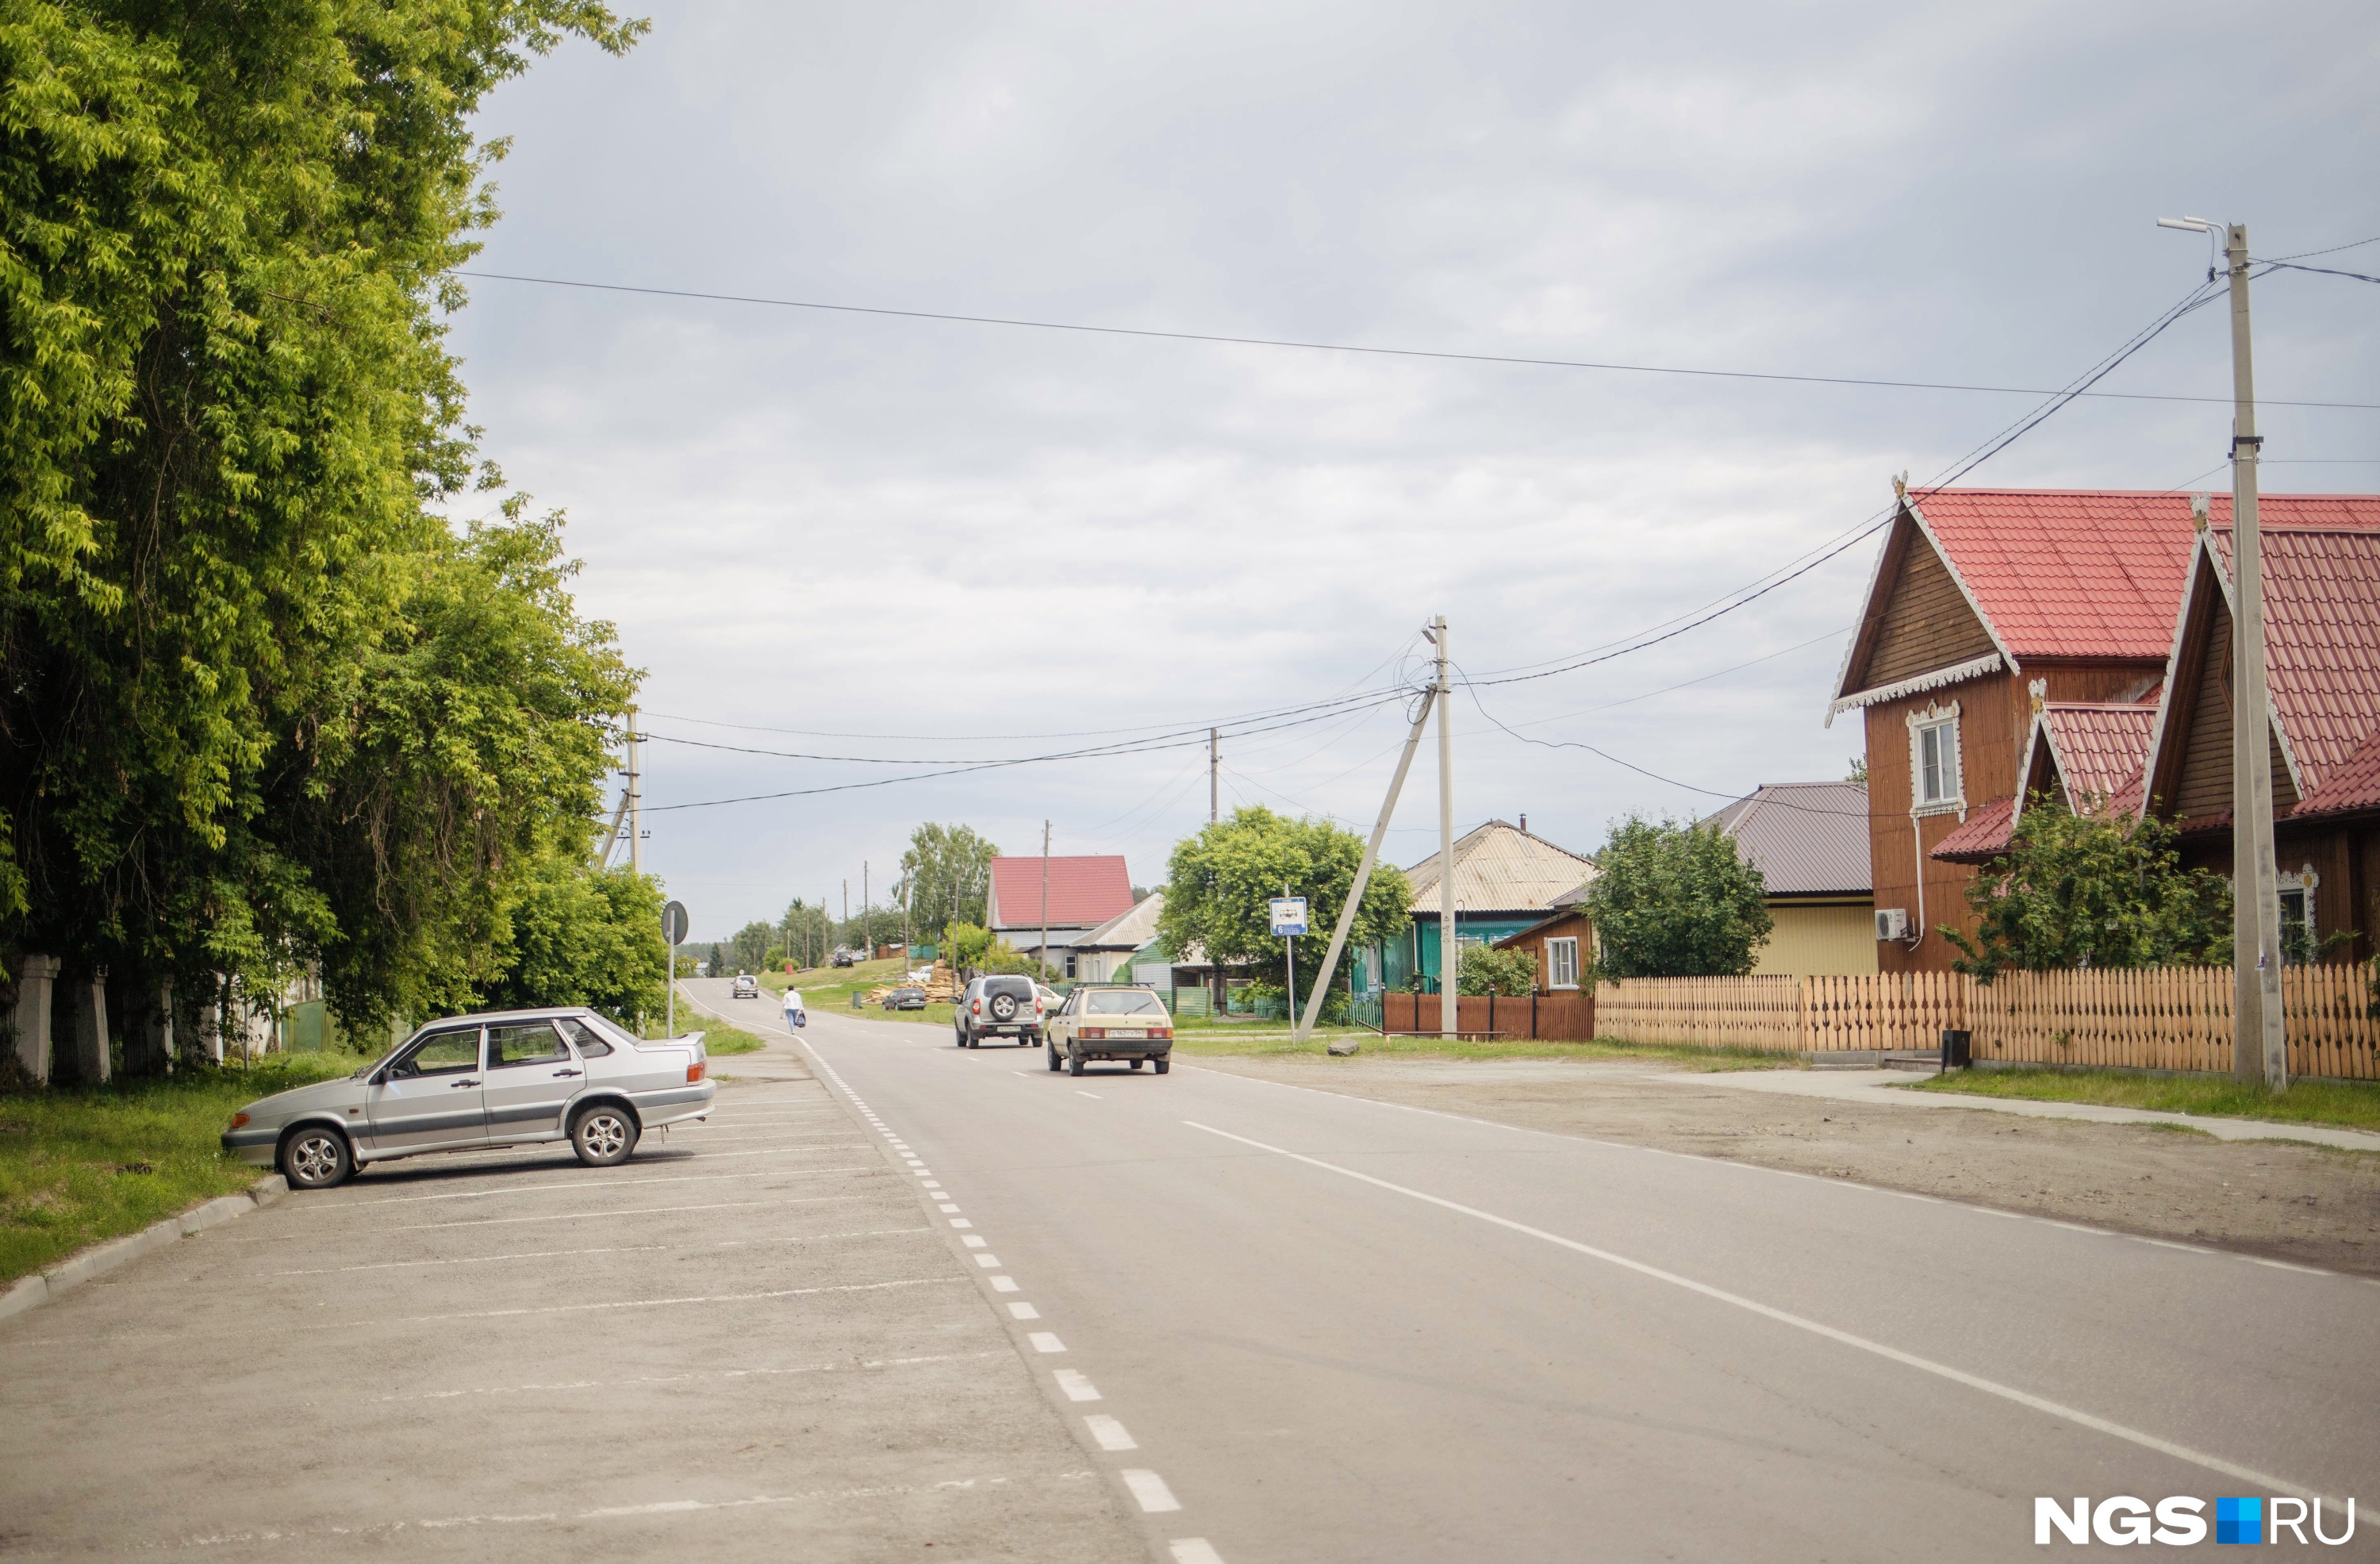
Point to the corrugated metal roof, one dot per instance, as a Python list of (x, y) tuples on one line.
[(1130, 929), (1806, 838), (2322, 651), (2100, 749), (1501, 868), (1084, 891)]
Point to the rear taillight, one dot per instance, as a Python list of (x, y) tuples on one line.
[(1096, 1034), (1162, 1030), (694, 1071), (976, 1007)]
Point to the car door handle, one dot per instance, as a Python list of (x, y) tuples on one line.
[(460, 1084), (562, 1073)]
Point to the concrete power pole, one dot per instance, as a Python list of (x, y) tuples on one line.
[(1214, 787), (1449, 952), (2260, 1049), (1042, 956), (867, 913), (635, 804)]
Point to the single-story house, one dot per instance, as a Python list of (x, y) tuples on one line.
[(1562, 941), (1505, 881), (1810, 842), (1106, 954)]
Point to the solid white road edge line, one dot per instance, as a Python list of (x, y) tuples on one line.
[(1894, 1354)]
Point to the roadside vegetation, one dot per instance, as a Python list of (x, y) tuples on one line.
[(77, 1167), (2349, 1107)]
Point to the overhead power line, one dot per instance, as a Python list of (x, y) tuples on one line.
[(1439, 355)]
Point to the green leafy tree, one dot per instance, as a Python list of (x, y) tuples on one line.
[(755, 944), (2097, 888), (227, 238), (810, 930), (1486, 970), (1221, 881), (578, 934), (945, 879), (1672, 898)]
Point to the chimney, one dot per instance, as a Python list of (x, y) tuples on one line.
[(1524, 821)]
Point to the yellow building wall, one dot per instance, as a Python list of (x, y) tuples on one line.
[(1829, 939)]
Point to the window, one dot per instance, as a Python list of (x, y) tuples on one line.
[(442, 1052), (1934, 782), (1562, 962), (591, 1043), (1125, 1002), (2299, 937), (1070, 966), (531, 1043)]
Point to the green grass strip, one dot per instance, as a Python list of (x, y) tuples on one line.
[(2351, 1106)]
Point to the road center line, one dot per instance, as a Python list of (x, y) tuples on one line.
[(1893, 1354)]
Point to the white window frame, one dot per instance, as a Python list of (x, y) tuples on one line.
[(1943, 720), (2300, 886), (1562, 953)]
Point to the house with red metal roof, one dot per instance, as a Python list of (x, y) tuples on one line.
[(1987, 607), (1067, 897), (2322, 659)]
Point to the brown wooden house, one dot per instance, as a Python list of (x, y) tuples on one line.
[(1986, 607)]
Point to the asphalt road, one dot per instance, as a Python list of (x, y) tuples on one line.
[(754, 1340), (1338, 1329)]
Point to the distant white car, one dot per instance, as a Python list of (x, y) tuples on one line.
[(747, 987)]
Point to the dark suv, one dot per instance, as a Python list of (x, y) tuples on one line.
[(1006, 1006)]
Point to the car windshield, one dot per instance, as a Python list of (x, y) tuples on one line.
[(1126, 1002)]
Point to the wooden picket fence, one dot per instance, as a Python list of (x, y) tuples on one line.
[(1798, 1015), (2166, 1018)]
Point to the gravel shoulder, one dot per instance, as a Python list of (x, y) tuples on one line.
[(2309, 1205)]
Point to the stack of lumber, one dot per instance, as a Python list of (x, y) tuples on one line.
[(942, 985)]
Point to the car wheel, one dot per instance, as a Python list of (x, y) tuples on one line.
[(603, 1135), (1074, 1064), (1053, 1058), (1164, 1064), (316, 1160)]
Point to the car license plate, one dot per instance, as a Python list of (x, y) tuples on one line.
[(1129, 1032)]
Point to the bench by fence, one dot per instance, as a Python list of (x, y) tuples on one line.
[(2164, 1017)]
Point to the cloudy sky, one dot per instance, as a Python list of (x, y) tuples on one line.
[(962, 542)]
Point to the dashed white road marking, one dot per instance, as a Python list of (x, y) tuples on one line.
[(1045, 1341), (1003, 1284), (958, 1221), (972, 1240), (1093, 1096), (1195, 1550), (1891, 1354), (1155, 1497), (1077, 1385), (1023, 1312), (1109, 1432), (946, 1207), (989, 1262)]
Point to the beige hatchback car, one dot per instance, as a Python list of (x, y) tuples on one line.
[(1111, 1023), (479, 1083)]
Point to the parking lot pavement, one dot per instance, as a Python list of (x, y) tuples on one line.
[(749, 1341)]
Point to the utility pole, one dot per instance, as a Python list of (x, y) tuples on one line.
[(2260, 1049), (636, 806), (1043, 956), (867, 912), (1214, 771), (1364, 877), (1449, 951), (846, 911), (1288, 944)]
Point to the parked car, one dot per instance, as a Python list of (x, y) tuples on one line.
[(842, 957), (1111, 1023), (1001, 1006), (747, 987), (478, 1083), (905, 999)]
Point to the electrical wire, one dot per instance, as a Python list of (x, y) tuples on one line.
[(2320, 271), (1612, 366)]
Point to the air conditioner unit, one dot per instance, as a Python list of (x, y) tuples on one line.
[(1891, 922)]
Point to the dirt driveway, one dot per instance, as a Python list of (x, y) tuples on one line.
[(2290, 1201)]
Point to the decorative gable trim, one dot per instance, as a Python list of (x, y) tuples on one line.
[(1990, 662)]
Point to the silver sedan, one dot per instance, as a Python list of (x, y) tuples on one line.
[(476, 1082)]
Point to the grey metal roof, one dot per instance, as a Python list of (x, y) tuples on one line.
[(1806, 838), (1128, 930)]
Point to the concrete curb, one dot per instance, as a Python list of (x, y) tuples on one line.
[(32, 1291)]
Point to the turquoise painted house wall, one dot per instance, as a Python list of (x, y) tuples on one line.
[(1417, 952)]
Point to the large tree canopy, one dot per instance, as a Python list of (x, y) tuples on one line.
[(945, 877), (1222, 880), (1671, 899), (262, 704)]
